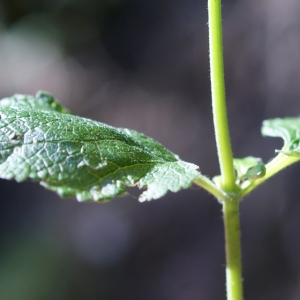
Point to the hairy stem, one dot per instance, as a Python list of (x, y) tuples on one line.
[(230, 206), (233, 250), (208, 185), (218, 96)]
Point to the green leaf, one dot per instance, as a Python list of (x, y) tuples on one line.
[(42, 101), (78, 157), (248, 169), (289, 130)]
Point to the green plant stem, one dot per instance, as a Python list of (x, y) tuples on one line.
[(218, 96), (208, 185), (231, 206), (234, 286)]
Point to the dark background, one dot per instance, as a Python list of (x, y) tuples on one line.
[(144, 65)]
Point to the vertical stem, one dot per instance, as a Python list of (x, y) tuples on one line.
[(218, 95), (230, 206), (233, 250)]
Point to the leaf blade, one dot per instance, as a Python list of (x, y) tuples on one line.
[(286, 128), (77, 157)]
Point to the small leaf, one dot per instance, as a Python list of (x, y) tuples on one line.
[(288, 129), (248, 169), (75, 156)]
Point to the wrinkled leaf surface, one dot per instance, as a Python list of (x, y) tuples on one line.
[(78, 157)]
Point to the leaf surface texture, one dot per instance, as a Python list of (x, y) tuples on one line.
[(78, 157)]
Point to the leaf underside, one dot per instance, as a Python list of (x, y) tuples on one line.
[(81, 158), (288, 129)]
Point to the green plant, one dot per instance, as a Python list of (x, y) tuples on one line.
[(81, 158)]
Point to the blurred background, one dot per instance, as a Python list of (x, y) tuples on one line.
[(144, 65)]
